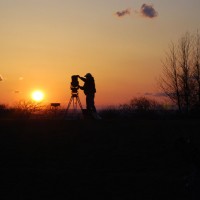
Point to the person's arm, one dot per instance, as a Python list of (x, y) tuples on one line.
[(82, 78), (81, 87)]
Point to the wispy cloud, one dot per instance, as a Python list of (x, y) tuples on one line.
[(148, 94), (158, 94), (123, 13), (148, 11)]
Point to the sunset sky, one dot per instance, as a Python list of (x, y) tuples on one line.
[(120, 42)]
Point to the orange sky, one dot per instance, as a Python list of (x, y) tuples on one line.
[(121, 43)]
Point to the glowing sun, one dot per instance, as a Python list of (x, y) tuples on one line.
[(37, 95)]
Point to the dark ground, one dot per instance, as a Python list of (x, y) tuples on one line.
[(106, 159)]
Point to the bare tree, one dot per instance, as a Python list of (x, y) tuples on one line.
[(184, 61), (169, 80), (180, 79), (25, 108), (196, 65)]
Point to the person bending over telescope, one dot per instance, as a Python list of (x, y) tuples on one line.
[(89, 90)]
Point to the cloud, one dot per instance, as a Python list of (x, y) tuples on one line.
[(1, 78), (123, 13), (158, 94), (148, 11), (148, 94)]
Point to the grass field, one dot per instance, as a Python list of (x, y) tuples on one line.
[(105, 159)]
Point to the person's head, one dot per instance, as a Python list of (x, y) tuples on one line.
[(88, 75)]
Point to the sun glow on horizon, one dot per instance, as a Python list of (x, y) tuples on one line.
[(37, 95)]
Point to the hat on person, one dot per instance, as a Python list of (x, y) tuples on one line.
[(88, 75)]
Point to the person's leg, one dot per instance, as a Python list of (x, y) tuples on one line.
[(90, 102), (87, 102), (91, 106)]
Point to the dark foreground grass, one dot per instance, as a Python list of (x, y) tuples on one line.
[(107, 159)]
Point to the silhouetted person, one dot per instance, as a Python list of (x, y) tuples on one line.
[(89, 90)]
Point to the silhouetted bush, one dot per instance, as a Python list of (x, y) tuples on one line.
[(25, 109), (141, 107), (3, 110)]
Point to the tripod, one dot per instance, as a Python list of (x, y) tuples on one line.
[(74, 99)]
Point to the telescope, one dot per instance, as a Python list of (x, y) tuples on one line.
[(74, 95), (74, 84)]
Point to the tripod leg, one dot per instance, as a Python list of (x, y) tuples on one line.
[(74, 99), (68, 105), (79, 103), (74, 103)]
